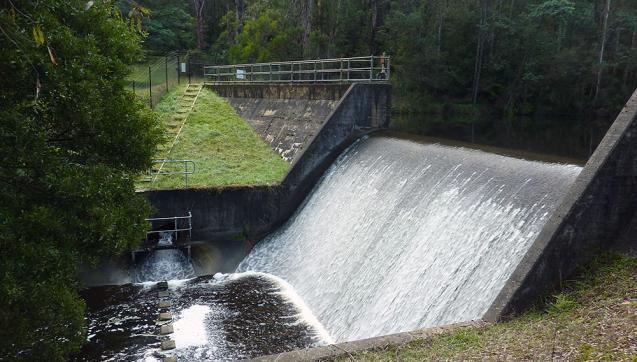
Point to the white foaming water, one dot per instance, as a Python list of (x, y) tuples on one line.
[(400, 235), (166, 264), (190, 329)]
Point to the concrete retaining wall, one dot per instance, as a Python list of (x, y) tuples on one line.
[(345, 349), (597, 209), (252, 212)]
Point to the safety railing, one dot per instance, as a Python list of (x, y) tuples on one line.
[(357, 69), (179, 224), (161, 170)]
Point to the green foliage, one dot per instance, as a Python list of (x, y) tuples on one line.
[(169, 24), (563, 303), (71, 140), (265, 38)]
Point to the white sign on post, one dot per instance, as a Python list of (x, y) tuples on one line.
[(241, 74), (183, 67)]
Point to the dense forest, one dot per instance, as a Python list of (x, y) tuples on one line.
[(510, 57)]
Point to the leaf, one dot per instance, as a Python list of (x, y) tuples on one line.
[(52, 55), (143, 10), (12, 14), (38, 35)]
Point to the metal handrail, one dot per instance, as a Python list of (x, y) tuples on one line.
[(355, 69), (161, 171), (176, 228)]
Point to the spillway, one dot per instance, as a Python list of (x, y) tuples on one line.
[(400, 235)]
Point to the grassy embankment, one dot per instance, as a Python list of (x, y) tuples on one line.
[(593, 319), (224, 147)]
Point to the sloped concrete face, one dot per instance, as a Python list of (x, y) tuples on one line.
[(287, 125), (597, 210), (286, 116)]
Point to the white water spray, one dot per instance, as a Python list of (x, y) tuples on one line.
[(400, 235)]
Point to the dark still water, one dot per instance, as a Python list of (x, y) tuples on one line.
[(559, 136)]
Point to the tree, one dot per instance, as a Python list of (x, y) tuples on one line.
[(602, 47), (266, 38), (480, 50), (199, 15), (72, 140)]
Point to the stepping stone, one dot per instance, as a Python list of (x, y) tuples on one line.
[(162, 285), (164, 304), (169, 344), (163, 294), (170, 359), (166, 329), (165, 316)]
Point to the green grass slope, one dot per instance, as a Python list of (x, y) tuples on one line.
[(225, 148), (594, 319)]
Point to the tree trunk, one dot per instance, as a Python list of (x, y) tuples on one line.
[(441, 19), (605, 13), (479, 51), (199, 5), (238, 6), (373, 4), (307, 7), (633, 44)]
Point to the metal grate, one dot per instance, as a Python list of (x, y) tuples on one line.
[(180, 224)]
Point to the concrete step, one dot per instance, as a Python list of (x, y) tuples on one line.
[(166, 329), (166, 345)]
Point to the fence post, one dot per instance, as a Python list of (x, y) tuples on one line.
[(176, 232), (189, 70), (150, 87), (166, 65), (186, 173), (134, 88), (371, 68), (178, 71)]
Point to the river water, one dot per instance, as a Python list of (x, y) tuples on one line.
[(397, 235)]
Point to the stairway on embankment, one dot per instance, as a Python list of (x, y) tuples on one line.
[(175, 124)]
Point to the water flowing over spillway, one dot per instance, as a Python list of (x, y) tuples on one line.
[(397, 235), (400, 235), (165, 264)]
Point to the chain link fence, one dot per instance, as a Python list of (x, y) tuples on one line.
[(152, 79)]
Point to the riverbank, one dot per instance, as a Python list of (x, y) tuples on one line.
[(593, 318)]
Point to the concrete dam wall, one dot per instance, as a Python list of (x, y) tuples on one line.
[(598, 211), (510, 230), (295, 111), (591, 213)]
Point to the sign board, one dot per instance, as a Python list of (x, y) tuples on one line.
[(241, 74), (183, 67)]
